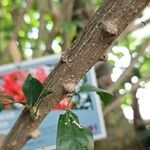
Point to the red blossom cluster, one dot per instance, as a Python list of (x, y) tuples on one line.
[(12, 85), (13, 82)]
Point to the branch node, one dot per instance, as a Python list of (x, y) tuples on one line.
[(143, 23), (64, 59), (109, 27), (34, 112), (69, 86), (104, 58), (35, 134), (13, 143)]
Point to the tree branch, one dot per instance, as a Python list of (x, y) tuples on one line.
[(43, 34), (138, 122), (131, 28), (59, 19), (67, 7), (18, 21), (129, 71), (97, 36), (119, 99)]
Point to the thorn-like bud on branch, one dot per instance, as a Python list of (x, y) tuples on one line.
[(69, 86), (109, 27), (34, 112), (104, 58), (64, 58), (13, 143), (35, 134), (143, 23)]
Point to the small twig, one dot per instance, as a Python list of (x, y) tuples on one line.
[(129, 71), (35, 134), (68, 103)]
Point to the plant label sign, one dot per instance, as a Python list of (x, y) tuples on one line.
[(87, 106)]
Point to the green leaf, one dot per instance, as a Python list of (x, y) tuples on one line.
[(71, 135), (137, 73), (7, 97), (88, 88), (32, 88), (1, 106), (105, 96)]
